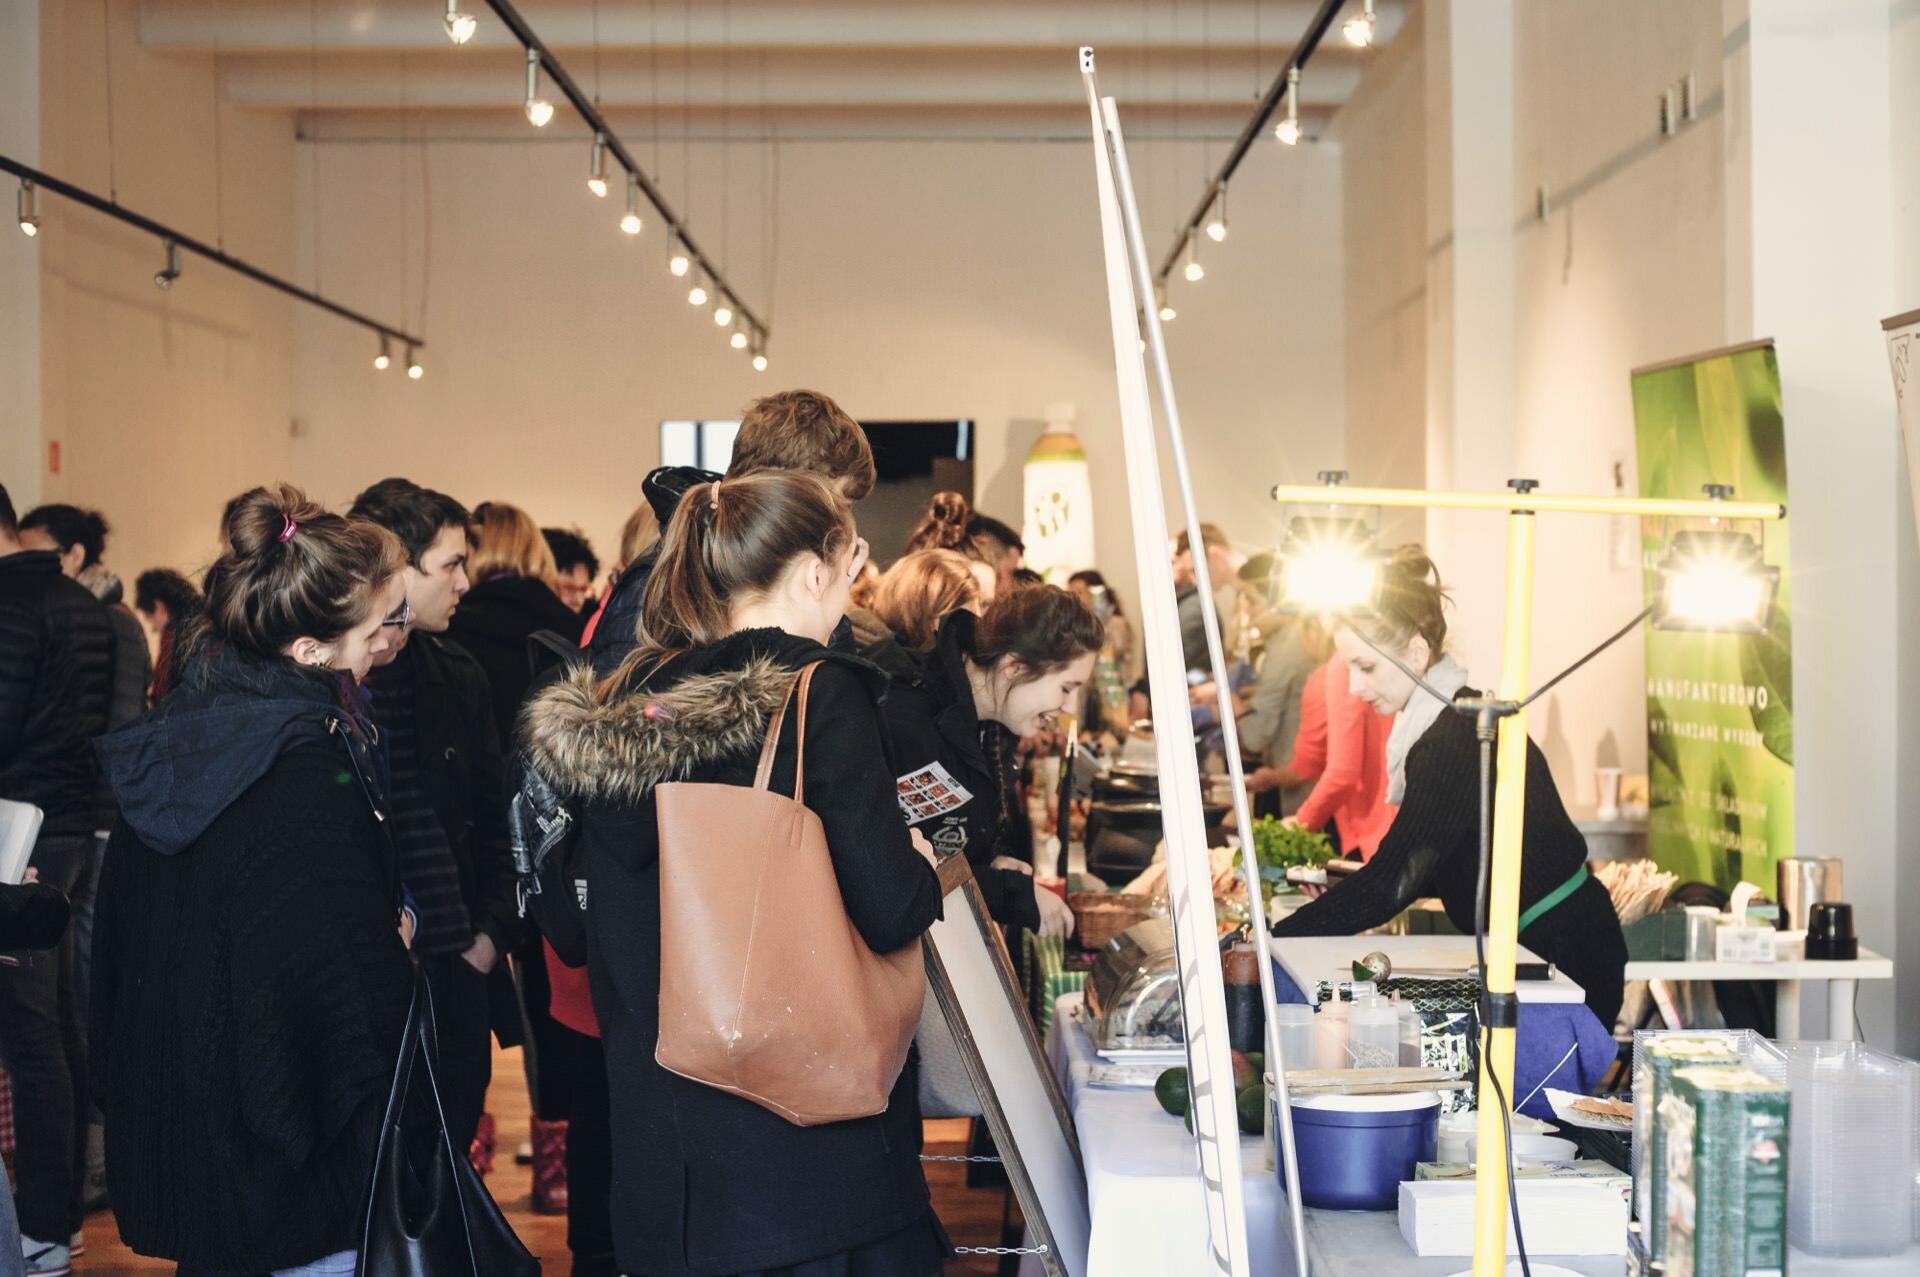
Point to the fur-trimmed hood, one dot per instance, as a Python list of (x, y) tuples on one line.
[(713, 704)]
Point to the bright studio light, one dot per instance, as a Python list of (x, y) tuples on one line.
[(630, 221), (539, 110), (1329, 567), (1359, 28), (738, 341), (1288, 130), (597, 167), (383, 360), (414, 370), (722, 315), (697, 295), (460, 26), (1716, 581), (28, 204)]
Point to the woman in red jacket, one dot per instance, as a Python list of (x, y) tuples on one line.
[(1342, 745)]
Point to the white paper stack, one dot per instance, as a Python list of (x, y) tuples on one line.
[(1584, 1215)]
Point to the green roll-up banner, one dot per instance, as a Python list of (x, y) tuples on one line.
[(1719, 707)]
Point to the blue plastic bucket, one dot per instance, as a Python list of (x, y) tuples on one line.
[(1356, 1149)]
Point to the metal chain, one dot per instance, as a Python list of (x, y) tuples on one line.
[(954, 1157), (1001, 1250)]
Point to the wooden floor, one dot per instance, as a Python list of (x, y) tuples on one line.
[(972, 1216)]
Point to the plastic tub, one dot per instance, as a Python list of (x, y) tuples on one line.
[(1356, 1149)]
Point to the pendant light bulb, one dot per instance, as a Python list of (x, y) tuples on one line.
[(460, 26), (1167, 313), (760, 363), (29, 206), (697, 295), (723, 314), (1217, 224), (1195, 272), (738, 341), (679, 262), (414, 371), (171, 271), (597, 167), (1288, 130), (1359, 28), (539, 110), (383, 360), (630, 223)]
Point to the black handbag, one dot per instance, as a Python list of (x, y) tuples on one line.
[(434, 1219)]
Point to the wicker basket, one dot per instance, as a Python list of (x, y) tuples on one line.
[(1099, 916)]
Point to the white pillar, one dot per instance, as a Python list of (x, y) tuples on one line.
[(1470, 283), (1810, 239), (21, 463)]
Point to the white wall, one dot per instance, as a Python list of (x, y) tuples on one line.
[(20, 442), (164, 404), (956, 279)]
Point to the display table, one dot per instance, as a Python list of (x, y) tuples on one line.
[(1843, 984), (1149, 1215), (1559, 1042)]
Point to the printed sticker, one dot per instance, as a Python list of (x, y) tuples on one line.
[(931, 791)]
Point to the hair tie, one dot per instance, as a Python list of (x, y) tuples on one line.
[(288, 528)]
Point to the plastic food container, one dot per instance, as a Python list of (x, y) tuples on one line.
[(1356, 1149)]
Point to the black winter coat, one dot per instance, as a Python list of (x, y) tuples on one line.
[(249, 984), (494, 622), (706, 1182), (932, 723), (465, 779), (56, 676)]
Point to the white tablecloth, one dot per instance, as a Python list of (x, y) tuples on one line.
[(1149, 1215)]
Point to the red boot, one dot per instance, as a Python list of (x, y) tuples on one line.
[(549, 1167)]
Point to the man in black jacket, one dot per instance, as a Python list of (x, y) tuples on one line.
[(434, 708), (56, 674)]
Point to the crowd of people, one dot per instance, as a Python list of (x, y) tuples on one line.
[(276, 787), (275, 791)]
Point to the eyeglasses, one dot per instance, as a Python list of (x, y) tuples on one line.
[(402, 616)]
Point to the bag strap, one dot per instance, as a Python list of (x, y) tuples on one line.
[(763, 775)]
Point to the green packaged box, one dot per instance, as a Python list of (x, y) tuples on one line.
[(1725, 1172), (1656, 1059)]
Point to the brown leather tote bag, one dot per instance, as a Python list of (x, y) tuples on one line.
[(767, 990)]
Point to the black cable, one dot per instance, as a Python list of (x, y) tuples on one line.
[(1481, 889), (1624, 630)]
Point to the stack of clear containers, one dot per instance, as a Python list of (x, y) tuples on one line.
[(1850, 1150)]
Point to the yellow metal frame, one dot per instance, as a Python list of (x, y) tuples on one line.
[(1510, 785)]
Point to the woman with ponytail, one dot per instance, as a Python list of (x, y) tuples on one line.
[(989, 682), (250, 979), (1433, 773), (951, 524), (753, 576)]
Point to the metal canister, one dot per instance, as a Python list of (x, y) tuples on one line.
[(1804, 882)]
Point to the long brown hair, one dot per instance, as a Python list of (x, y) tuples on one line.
[(1043, 627), (920, 589), (728, 543), (507, 542), (293, 570)]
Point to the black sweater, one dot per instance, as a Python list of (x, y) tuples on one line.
[(249, 984), (56, 676), (1433, 849)]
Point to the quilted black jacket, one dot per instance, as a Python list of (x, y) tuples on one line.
[(56, 675)]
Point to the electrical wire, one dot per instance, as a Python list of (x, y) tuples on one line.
[(1621, 633), (1485, 731)]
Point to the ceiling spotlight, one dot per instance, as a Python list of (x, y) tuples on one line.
[(630, 223), (414, 370), (1359, 28), (384, 359), (460, 26), (760, 363), (1217, 224), (1195, 272), (723, 313), (597, 167), (171, 271), (1288, 130), (679, 262), (1167, 313), (29, 205), (539, 110), (738, 341), (697, 295)]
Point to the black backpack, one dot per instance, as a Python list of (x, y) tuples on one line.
[(547, 856)]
